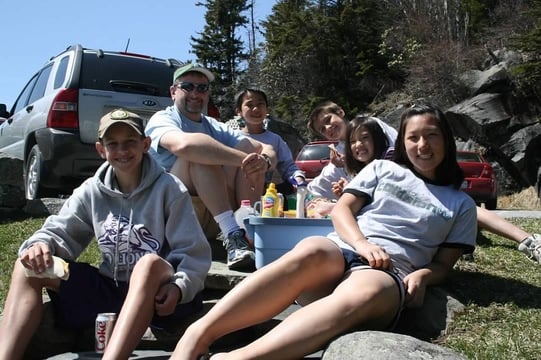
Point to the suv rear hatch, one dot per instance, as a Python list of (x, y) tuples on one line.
[(110, 80)]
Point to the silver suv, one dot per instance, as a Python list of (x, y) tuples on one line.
[(53, 124)]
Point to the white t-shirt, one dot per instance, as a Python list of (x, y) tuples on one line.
[(171, 119), (321, 185), (409, 218)]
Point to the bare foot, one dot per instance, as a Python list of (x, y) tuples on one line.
[(190, 347)]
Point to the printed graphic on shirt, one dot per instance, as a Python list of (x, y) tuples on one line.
[(411, 198), (126, 242)]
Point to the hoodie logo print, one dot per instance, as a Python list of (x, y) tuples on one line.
[(130, 242)]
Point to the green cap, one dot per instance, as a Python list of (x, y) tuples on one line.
[(192, 68), (120, 116)]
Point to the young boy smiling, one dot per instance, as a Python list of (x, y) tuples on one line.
[(154, 256)]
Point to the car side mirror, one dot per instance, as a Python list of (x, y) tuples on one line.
[(3, 111)]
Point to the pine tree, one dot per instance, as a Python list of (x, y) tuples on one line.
[(219, 47), (529, 73), (323, 49)]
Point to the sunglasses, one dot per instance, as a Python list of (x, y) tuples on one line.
[(189, 87)]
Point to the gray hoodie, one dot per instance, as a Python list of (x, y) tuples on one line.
[(157, 217)]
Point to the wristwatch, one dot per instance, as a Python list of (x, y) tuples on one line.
[(267, 160)]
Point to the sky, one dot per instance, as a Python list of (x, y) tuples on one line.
[(34, 30)]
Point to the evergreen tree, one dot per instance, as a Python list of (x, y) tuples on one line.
[(323, 49), (529, 73), (219, 47)]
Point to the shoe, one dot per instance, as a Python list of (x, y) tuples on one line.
[(239, 255), (531, 246)]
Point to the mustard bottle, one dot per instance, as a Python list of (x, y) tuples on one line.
[(270, 202)]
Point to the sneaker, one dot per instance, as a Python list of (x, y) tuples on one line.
[(239, 254), (531, 246)]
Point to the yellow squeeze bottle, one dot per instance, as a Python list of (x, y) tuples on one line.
[(270, 202)]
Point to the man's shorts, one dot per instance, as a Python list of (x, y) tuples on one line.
[(354, 262), (205, 218), (87, 293)]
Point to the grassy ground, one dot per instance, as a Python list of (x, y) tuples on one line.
[(500, 288)]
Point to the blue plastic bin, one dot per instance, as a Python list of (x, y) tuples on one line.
[(273, 237)]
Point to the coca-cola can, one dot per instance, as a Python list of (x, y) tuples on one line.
[(104, 328)]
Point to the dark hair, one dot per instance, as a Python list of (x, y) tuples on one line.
[(326, 107), (448, 172), (240, 96), (381, 142)]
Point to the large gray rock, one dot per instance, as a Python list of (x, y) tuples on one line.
[(502, 124), (11, 171), (377, 345), (479, 118), (11, 182)]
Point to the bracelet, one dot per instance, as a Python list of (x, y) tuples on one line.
[(267, 160)]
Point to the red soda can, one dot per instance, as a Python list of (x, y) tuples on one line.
[(104, 329)]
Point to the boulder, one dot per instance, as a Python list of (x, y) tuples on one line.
[(11, 182), (503, 126), (377, 345)]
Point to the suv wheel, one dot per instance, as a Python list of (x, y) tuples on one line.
[(33, 171)]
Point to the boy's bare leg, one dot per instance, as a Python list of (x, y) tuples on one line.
[(22, 312), (150, 272), (496, 224), (266, 293)]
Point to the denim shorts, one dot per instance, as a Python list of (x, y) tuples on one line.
[(354, 262), (87, 293)]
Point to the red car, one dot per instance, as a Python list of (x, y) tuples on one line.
[(313, 157), (479, 182)]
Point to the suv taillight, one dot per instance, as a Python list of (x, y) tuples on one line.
[(63, 113)]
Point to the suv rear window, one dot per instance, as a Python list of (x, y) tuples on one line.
[(61, 72), (139, 75)]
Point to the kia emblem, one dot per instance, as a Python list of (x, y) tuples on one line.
[(149, 102)]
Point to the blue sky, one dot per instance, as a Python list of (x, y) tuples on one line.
[(34, 30)]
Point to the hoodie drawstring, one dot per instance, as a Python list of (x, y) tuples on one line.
[(117, 244)]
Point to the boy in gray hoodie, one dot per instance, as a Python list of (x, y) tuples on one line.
[(154, 255)]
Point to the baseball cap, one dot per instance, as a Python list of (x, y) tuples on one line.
[(192, 67), (120, 116)]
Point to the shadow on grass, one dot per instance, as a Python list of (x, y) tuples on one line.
[(484, 289), (10, 215)]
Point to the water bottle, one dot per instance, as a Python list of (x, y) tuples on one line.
[(243, 212), (302, 190), (280, 205)]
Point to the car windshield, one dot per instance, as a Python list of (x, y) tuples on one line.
[(315, 152), (468, 157)]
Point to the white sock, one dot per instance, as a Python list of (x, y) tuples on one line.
[(226, 222)]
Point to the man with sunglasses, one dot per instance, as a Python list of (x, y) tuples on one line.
[(220, 167)]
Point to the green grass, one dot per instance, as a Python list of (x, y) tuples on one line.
[(500, 288), (12, 234)]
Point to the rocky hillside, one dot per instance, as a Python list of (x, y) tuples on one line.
[(496, 121)]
